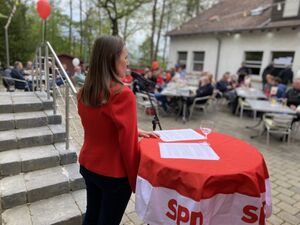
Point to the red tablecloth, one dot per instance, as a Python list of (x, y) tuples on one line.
[(232, 190)]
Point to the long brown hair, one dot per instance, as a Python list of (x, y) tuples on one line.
[(102, 71)]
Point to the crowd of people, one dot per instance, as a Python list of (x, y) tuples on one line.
[(21, 77), (276, 84)]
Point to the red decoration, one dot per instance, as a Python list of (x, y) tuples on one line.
[(44, 8)]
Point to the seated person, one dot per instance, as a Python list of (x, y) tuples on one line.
[(278, 89), (270, 80), (223, 84), (293, 95), (29, 68), (17, 74), (244, 80), (293, 98), (205, 89), (7, 73), (79, 77)]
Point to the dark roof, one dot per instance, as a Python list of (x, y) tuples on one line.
[(232, 16)]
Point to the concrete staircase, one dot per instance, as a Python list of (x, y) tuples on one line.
[(40, 183)]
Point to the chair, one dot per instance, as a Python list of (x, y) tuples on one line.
[(144, 101), (199, 104), (242, 105), (279, 124)]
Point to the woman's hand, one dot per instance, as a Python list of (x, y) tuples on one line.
[(147, 134)]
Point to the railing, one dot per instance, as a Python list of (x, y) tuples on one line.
[(41, 72)]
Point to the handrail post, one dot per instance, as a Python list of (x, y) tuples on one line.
[(40, 67), (67, 116), (47, 71), (32, 75), (54, 86)]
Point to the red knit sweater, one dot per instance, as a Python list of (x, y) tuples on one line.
[(110, 145)]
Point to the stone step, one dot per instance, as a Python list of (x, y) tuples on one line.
[(65, 209), (9, 121), (40, 184), (11, 102), (16, 161), (29, 137)]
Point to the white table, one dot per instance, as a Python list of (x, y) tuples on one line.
[(183, 93), (250, 93), (268, 107)]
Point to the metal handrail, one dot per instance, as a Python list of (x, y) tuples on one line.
[(68, 83), (19, 80), (62, 68)]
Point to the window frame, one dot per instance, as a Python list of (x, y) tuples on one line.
[(254, 64), (200, 62)]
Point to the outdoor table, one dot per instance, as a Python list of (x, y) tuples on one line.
[(234, 190), (250, 93), (268, 107), (183, 94)]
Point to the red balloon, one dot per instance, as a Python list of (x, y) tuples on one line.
[(44, 8)]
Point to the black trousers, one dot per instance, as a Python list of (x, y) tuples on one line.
[(107, 198)]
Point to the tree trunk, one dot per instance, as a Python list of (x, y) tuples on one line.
[(125, 29), (81, 28), (153, 30), (170, 11), (115, 27), (159, 29), (70, 28)]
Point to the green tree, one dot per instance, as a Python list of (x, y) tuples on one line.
[(118, 9)]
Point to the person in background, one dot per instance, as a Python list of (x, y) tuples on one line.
[(28, 69), (244, 69), (268, 70), (177, 73), (127, 79), (278, 89), (16, 73), (223, 84), (286, 75), (293, 95), (244, 80), (205, 89), (79, 77), (65, 66), (270, 80), (292, 99), (233, 81), (109, 158), (183, 72)]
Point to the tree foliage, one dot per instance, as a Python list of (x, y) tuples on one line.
[(70, 35)]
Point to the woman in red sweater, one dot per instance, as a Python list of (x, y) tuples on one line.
[(109, 157)]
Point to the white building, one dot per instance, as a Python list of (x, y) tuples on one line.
[(256, 32)]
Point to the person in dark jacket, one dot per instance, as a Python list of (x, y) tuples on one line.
[(293, 95), (17, 74), (205, 89), (244, 69), (286, 75), (223, 85)]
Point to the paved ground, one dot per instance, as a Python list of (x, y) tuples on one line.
[(282, 159)]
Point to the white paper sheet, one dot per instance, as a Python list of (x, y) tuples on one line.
[(179, 135), (187, 151)]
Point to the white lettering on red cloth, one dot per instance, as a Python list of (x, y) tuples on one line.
[(164, 206)]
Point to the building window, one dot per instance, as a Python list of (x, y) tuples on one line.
[(253, 61), (182, 58), (281, 60), (291, 8), (198, 61)]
